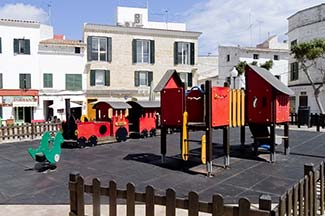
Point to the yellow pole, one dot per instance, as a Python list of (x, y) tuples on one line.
[(230, 107), (234, 122), (238, 107), (185, 147), (243, 107), (203, 149)]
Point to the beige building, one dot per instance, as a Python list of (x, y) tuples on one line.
[(125, 63)]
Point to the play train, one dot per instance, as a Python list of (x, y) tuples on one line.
[(113, 119)]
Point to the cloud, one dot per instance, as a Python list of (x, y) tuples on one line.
[(21, 11), (245, 23)]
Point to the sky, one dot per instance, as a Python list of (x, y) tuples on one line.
[(222, 22)]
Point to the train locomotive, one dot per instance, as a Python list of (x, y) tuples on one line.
[(113, 120)]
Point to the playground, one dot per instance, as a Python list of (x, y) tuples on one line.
[(139, 161)]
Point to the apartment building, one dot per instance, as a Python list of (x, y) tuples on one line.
[(126, 61), (19, 64), (271, 49), (304, 26), (62, 76)]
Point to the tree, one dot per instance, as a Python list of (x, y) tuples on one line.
[(311, 55), (267, 65), (240, 67)]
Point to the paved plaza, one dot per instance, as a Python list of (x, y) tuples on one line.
[(138, 161)]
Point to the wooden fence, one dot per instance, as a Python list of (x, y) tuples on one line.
[(27, 131), (77, 190), (306, 197)]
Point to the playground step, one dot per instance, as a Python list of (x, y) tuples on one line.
[(196, 125)]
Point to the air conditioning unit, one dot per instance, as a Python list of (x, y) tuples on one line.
[(128, 24), (138, 19)]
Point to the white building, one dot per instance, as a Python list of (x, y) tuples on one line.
[(62, 76), (208, 70), (304, 26), (19, 68), (138, 17), (271, 49)]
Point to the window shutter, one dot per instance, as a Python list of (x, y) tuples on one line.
[(150, 77), (192, 48), (16, 46), (89, 45), (0, 46), (134, 51), (175, 53), (107, 78), (92, 77), (189, 80), (28, 81), (136, 78), (109, 49), (152, 51), (1, 82), (27, 46)]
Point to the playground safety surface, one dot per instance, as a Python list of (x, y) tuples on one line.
[(138, 161)]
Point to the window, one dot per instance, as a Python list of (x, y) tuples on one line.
[(276, 57), (186, 78), (255, 56), (21, 46), (24, 81), (303, 100), (73, 82), (294, 72), (0, 46), (48, 80), (77, 50), (99, 78), (184, 53), (99, 49), (228, 58), (294, 43), (143, 51), (143, 78), (292, 104)]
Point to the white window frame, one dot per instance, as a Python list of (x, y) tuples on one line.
[(98, 51), (140, 54), (145, 73), (97, 76), (182, 56)]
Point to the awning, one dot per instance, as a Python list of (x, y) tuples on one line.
[(114, 104), (61, 105), (24, 103)]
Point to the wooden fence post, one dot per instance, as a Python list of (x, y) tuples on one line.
[(265, 202), (150, 200), (130, 199), (244, 207), (170, 202), (112, 198), (73, 193), (321, 176), (217, 205), (96, 197), (193, 204), (317, 119)]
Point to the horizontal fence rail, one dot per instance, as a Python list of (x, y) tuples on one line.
[(216, 207), (306, 197), (27, 131)]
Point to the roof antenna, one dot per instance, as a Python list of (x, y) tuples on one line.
[(49, 6)]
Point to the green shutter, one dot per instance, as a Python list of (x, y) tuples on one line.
[(109, 49), (1, 81), (78, 82), (152, 51), (0, 46), (175, 53), (27, 46), (189, 80), (28, 81), (89, 45), (134, 51), (150, 77), (107, 78), (21, 81), (136, 78), (73, 82), (192, 53), (16, 46), (47, 80), (92, 77)]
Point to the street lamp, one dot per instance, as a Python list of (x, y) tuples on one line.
[(234, 74)]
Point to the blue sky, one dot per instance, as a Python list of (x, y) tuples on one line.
[(222, 22)]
